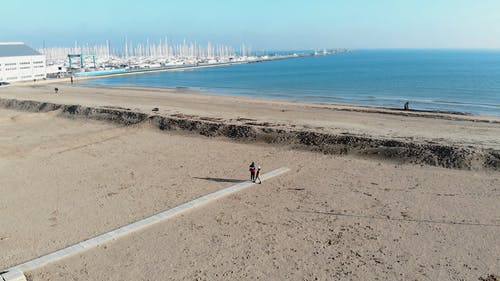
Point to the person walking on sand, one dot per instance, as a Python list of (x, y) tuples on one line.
[(252, 172), (257, 174)]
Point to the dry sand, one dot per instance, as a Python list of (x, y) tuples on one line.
[(331, 218)]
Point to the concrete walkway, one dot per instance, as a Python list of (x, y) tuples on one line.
[(16, 273)]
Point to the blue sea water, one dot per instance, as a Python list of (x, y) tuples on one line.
[(450, 80)]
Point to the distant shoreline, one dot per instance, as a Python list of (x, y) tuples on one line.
[(350, 106)]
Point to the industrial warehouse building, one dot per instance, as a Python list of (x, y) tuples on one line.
[(18, 62)]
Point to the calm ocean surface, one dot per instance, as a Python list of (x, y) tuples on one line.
[(462, 80)]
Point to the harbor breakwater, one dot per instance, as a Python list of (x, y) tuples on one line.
[(401, 151)]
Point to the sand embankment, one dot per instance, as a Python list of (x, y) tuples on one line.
[(444, 155)]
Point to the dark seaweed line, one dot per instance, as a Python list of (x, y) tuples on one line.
[(407, 152)]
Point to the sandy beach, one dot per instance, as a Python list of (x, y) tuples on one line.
[(481, 131), (335, 216)]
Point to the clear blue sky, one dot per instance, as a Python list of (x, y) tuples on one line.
[(264, 24)]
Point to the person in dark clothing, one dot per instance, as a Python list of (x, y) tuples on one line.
[(252, 172), (406, 106)]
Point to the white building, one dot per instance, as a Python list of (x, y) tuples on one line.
[(18, 62)]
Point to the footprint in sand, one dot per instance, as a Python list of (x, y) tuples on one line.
[(53, 219)]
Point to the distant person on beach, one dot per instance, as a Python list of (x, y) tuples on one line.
[(71, 79), (56, 90), (406, 106), (257, 174), (252, 172)]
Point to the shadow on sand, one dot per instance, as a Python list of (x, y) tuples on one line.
[(219, 179)]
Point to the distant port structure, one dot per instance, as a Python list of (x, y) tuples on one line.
[(19, 62), (81, 58)]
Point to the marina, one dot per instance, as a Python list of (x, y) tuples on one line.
[(99, 60)]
